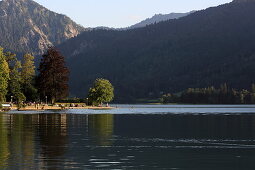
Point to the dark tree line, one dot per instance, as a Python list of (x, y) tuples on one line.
[(211, 95), (19, 83)]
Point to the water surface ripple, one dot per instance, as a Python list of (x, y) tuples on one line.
[(131, 137)]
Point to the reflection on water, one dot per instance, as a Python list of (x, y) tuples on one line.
[(16, 139), (107, 141), (52, 133), (101, 127), (4, 151), (44, 137)]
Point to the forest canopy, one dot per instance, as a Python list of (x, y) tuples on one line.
[(19, 83), (212, 95)]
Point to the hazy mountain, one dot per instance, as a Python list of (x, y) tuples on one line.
[(208, 47), (158, 18), (26, 26)]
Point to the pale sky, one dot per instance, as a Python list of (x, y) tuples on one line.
[(122, 13)]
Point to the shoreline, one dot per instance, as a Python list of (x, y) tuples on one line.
[(41, 108)]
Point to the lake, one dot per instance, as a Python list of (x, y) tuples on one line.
[(197, 137)]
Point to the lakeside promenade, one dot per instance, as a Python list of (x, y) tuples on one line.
[(46, 107)]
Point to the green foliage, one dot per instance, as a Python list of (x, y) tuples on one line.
[(28, 69), (102, 91), (4, 75), (15, 83), (28, 77), (14, 80), (21, 98), (211, 95)]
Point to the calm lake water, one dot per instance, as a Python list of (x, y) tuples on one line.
[(198, 137)]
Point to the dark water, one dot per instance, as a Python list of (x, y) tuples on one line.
[(163, 138)]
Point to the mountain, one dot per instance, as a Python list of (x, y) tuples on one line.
[(243, 1), (208, 47), (26, 26), (158, 18)]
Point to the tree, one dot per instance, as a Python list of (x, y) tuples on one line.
[(243, 96), (28, 69), (15, 83), (54, 75), (27, 76), (102, 91), (253, 88), (253, 93), (4, 76)]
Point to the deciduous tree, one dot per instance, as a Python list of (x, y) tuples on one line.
[(54, 75), (102, 91), (28, 77), (15, 83), (4, 75), (28, 69)]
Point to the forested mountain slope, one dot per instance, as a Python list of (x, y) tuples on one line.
[(208, 47)]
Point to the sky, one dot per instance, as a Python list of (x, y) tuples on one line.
[(122, 13)]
